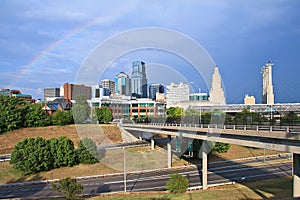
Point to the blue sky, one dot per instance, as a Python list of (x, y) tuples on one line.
[(44, 43)]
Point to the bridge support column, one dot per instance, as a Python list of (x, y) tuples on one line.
[(152, 144), (169, 138), (169, 155), (204, 165), (296, 166)]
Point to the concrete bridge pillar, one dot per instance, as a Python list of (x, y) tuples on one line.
[(296, 166), (204, 165), (169, 155), (152, 144), (169, 138)]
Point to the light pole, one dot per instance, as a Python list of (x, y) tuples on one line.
[(124, 155), (199, 90)]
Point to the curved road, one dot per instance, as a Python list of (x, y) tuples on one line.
[(241, 171)]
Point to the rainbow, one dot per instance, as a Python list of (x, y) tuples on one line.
[(98, 20)]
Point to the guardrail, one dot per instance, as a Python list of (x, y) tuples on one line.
[(210, 185), (5, 157), (139, 172), (294, 129)]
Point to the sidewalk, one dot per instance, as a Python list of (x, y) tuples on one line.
[(128, 137)]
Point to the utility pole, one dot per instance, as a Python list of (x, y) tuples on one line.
[(124, 155)]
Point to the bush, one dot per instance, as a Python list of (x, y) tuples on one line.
[(36, 116), (177, 184), (69, 187), (32, 155), (87, 151), (221, 147), (62, 151), (62, 118), (104, 115)]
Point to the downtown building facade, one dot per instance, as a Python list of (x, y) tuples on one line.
[(154, 89), (109, 84), (71, 90), (177, 93), (127, 108), (51, 93)]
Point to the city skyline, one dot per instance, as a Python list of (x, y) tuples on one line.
[(43, 44)]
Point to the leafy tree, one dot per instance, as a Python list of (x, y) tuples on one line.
[(69, 187), (81, 109), (36, 116), (174, 114), (62, 151), (62, 118), (87, 151), (177, 184), (291, 118), (104, 115), (221, 147), (246, 117), (13, 112), (31, 155), (196, 147)]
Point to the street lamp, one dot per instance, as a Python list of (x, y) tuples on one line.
[(124, 155), (199, 90)]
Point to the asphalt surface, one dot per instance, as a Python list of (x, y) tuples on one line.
[(237, 171)]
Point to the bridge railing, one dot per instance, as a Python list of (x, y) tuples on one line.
[(294, 129)]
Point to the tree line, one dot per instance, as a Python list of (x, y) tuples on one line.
[(33, 155), (191, 116), (17, 113)]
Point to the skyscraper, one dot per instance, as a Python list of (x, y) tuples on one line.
[(153, 89), (122, 84), (139, 80), (267, 92), (216, 91)]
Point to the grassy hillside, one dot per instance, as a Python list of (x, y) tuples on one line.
[(100, 134), (103, 133)]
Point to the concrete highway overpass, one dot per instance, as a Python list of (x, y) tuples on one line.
[(274, 138)]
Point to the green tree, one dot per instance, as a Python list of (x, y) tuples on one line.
[(62, 151), (221, 147), (62, 118), (177, 184), (69, 187), (246, 117), (81, 109), (174, 114), (31, 155), (36, 116), (104, 115), (87, 151), (12, 113), (290, 118)]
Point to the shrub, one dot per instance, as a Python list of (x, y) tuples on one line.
[(177, 184)]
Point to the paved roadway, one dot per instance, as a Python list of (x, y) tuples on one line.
[(238, 171)]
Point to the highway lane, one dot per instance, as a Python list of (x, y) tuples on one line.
[(156, 181)]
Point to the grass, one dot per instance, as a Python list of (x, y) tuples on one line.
[(140, 158), (278, 188), (100, 134)]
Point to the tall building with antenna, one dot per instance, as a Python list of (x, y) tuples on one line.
[(267, 90)]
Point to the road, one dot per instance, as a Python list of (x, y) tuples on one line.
[(241, 171)]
